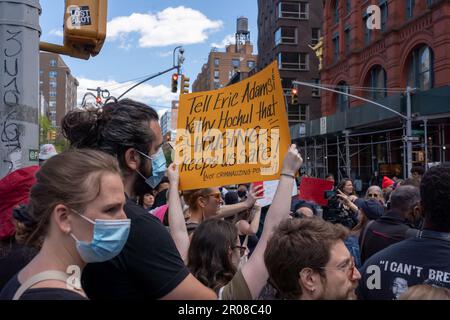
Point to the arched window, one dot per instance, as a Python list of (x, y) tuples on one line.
[(376, 79), (342, 101), (420, 68)]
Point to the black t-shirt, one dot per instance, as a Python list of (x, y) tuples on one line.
[(13, 285), (390, 272), (385, 231), (13, 258), (149, 266)]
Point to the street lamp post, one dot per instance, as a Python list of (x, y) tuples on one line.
[(407, 118)]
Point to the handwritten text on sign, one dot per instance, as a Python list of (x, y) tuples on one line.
[(233, 135)]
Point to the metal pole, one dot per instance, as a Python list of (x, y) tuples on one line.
[(425, 130), (326, 154), (359, 160), (405, 175), (19, 84), (347, 154), (444, 148), (315, 158), (306, 157), (350, 95), (371, 153), (338, 160), (408, 133)]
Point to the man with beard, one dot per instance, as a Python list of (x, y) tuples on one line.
[(308, 260), (130, 131)]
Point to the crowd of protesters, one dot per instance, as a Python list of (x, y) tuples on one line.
[(106, 220)]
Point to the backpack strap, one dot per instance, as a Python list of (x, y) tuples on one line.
[(40, 277), (363, 237)]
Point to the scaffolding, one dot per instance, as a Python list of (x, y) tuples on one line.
[(359, 153)]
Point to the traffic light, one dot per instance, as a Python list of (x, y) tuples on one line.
[(184, 84), (53, 135), (294, 96), (84, 29), (85, 25), (175, 83)]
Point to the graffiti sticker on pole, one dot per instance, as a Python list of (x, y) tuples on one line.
[(233, 135)]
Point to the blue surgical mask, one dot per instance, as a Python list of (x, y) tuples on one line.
[(158, 168), (108, 240)]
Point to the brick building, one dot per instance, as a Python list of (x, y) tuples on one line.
[(286, 29), (410, 49), (57, 86), (221, 67)]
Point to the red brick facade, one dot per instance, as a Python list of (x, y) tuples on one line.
[(391, 48)]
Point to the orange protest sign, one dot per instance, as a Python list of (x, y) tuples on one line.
[(236, 134)]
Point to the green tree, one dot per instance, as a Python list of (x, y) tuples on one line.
[(44, 128)]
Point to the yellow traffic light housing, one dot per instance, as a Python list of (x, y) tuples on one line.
[(294, 96), (84, 29), (53, 135), (184, 84)]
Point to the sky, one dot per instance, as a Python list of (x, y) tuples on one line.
[(141, 36)]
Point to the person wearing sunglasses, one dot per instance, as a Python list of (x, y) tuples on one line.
[(207, 203), (375, 192), (308, 260)]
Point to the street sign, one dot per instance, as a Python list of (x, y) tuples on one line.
[(412, 139), (33, 155), (323, 125)]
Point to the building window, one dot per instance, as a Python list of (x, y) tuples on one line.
[(52, 94), (315, 91), (235, 63), (250, 64), (348, 6), (297, 113), (420, 72), (293, 61), (299, 10), (216, 62), (367, 31), (286, 83), (410, 8), (216, 74), (53, 74), (52, 104), (336, 48), (52, 63), (336, 12), (52, 84), (347, 40), (303, 111), (342, 101), (430, 3), (384, 14), (377, 80), (315, 36), (285, 35)]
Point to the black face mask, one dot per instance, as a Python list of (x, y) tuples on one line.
[(242, 193)]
